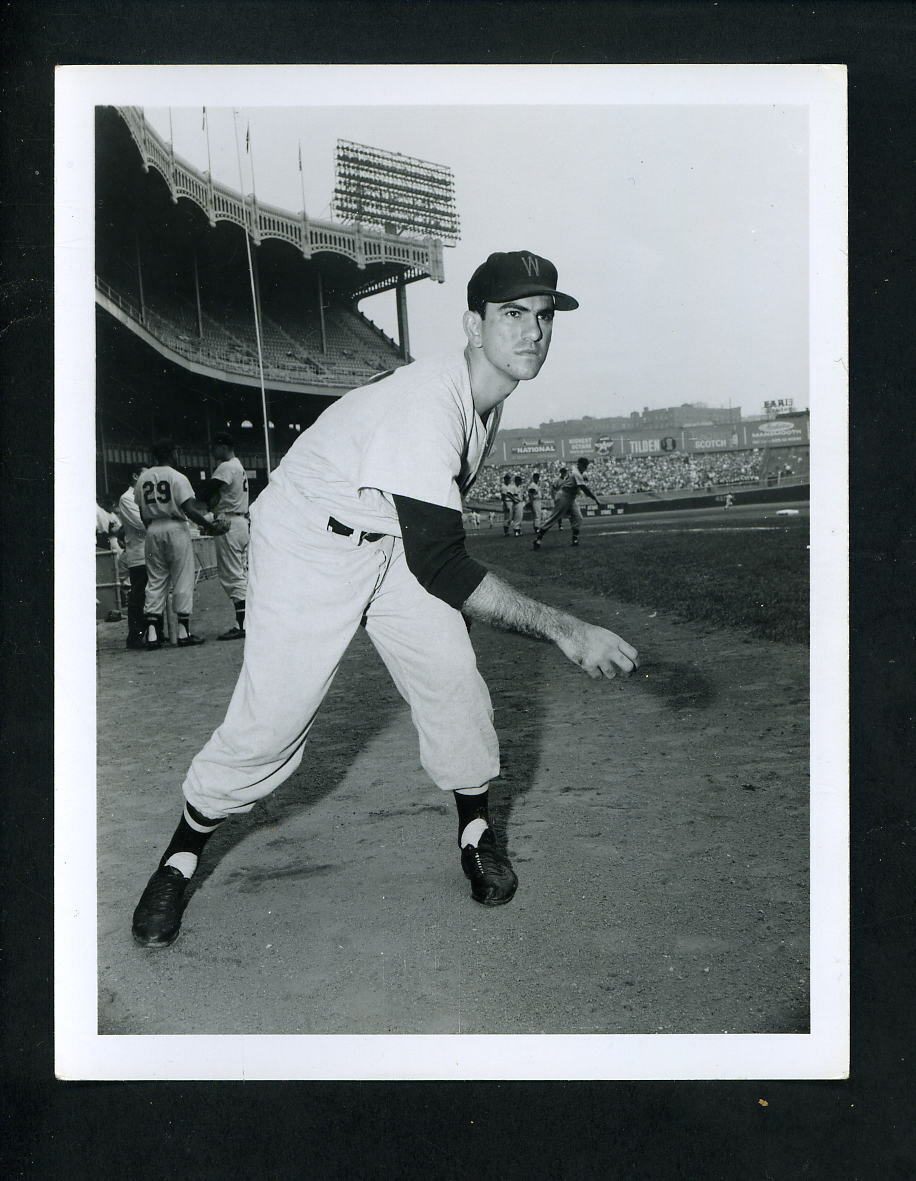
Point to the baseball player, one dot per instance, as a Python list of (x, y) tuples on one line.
[(227, 494), (133, 532), (106, 525), (518, 506), (534, 499), (507, 495), (166, 502), (565, 504), (352, 530), (555, 492)]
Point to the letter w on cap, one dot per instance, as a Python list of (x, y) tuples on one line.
[(531, 264)]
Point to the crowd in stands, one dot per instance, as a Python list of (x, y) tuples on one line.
[(610, 476), (354, 349)]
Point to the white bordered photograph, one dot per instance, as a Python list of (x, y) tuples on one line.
[(495, 417)]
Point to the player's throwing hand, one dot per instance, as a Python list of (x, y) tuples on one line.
[(599, 652)]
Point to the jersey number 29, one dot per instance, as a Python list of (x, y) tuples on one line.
[(160, 491)]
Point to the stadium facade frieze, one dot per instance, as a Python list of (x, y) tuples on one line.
[(420, 258)]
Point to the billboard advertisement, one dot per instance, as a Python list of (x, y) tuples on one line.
[(781, 432), (697, 439)]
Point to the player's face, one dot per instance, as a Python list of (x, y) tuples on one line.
[(516, 336)]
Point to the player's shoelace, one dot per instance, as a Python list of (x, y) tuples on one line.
[(488, 859)]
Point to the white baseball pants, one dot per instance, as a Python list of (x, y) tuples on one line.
[(563, 506), (308, 590), (169, 561), (232, 557)]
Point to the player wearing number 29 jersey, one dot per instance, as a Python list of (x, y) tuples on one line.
[(166, 502), (160, 492)]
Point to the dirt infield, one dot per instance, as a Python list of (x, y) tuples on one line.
[(659, 827)]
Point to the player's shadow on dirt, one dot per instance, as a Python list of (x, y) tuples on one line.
[(512, 667), (360, 705), (679, 686)]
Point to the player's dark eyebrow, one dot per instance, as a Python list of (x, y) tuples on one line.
[(521, 308)]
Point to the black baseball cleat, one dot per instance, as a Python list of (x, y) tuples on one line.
[(157, 919), (487, 867), (538, 538), (575, 539), (190, 641), (234, 633)]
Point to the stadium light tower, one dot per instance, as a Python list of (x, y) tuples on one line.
[(395, 193)]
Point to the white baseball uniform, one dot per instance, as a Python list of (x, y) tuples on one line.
[(518, 508), (565, 503), (160, 491), (326, 555), (134, 530), (509, 497), (232, 547), (534, 499)]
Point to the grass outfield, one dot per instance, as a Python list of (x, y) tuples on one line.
[(751, 578)]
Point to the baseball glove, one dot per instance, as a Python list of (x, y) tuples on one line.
[(218, 527)]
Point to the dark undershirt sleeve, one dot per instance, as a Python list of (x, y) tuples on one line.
[(434, 546)]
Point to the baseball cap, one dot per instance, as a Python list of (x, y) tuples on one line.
[(513, 274)]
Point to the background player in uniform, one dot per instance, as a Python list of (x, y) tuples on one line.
[(133, 532), (227, 494), (555, 492), (534, 499), (166, 502), (106, 525), (352, 531), (507, 496), (565, 503), (518, 506)]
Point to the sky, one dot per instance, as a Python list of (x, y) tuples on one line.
[(681, 228)]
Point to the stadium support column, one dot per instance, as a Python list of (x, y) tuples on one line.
[(140, 282), (322, 328), (200, 318), (101, 452), (403, 335)]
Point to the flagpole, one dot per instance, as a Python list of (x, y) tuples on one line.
[(301, 179), (207, 133), (254, 295)]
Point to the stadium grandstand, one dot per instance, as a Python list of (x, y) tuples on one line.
[(192, 338), (205, 297)]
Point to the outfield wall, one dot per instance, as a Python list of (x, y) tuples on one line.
[(748, 495)]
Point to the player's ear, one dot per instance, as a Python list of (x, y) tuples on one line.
[(472, 322)]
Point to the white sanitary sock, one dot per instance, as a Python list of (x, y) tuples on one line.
[(186, 862), (473, 832)]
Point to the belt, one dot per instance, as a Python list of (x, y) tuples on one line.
[(233, 514), (335, 526)]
